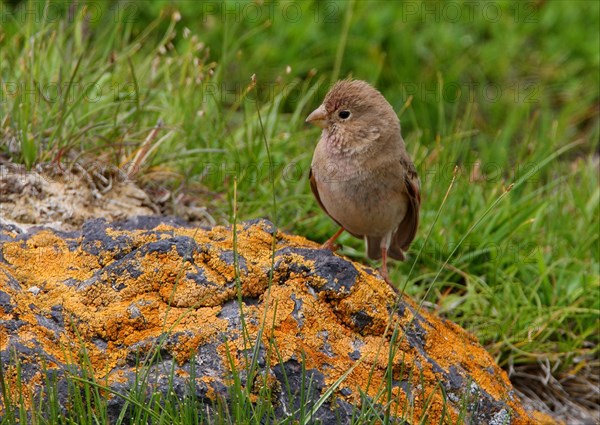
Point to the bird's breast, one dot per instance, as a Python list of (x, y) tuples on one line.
[(364, 203)]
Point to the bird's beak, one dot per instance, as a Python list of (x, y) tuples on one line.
[(318, 117)]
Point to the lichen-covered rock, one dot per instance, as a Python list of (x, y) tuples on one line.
[(126, 289)]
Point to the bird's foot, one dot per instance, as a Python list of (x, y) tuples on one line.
[(331, 246), (384, 272), (386, 277)]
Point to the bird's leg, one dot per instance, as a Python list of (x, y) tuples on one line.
[(384, 271), (330, 244)]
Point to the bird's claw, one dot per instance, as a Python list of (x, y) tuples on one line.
[(385, 276), (331, 246)]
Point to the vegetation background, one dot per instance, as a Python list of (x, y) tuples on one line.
[(495, 95)]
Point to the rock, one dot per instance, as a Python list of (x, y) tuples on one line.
[(126, 289)]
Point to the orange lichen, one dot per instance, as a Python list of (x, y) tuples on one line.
[(159, 297)]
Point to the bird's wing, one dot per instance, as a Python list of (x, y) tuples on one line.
[(315, 191), (408, 227)]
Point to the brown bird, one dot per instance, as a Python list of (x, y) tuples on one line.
[(361, 173)]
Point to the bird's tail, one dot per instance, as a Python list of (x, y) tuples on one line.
[(374, 249)]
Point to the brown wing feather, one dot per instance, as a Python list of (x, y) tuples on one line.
[(315, 190), (408, 227)]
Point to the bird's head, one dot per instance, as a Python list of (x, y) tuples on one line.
[(355, 114)]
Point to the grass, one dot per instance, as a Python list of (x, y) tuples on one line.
[(506, 91)]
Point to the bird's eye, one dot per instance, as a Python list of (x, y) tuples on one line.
[(344, 114)]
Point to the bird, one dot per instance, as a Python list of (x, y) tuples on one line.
[(361, 174)]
